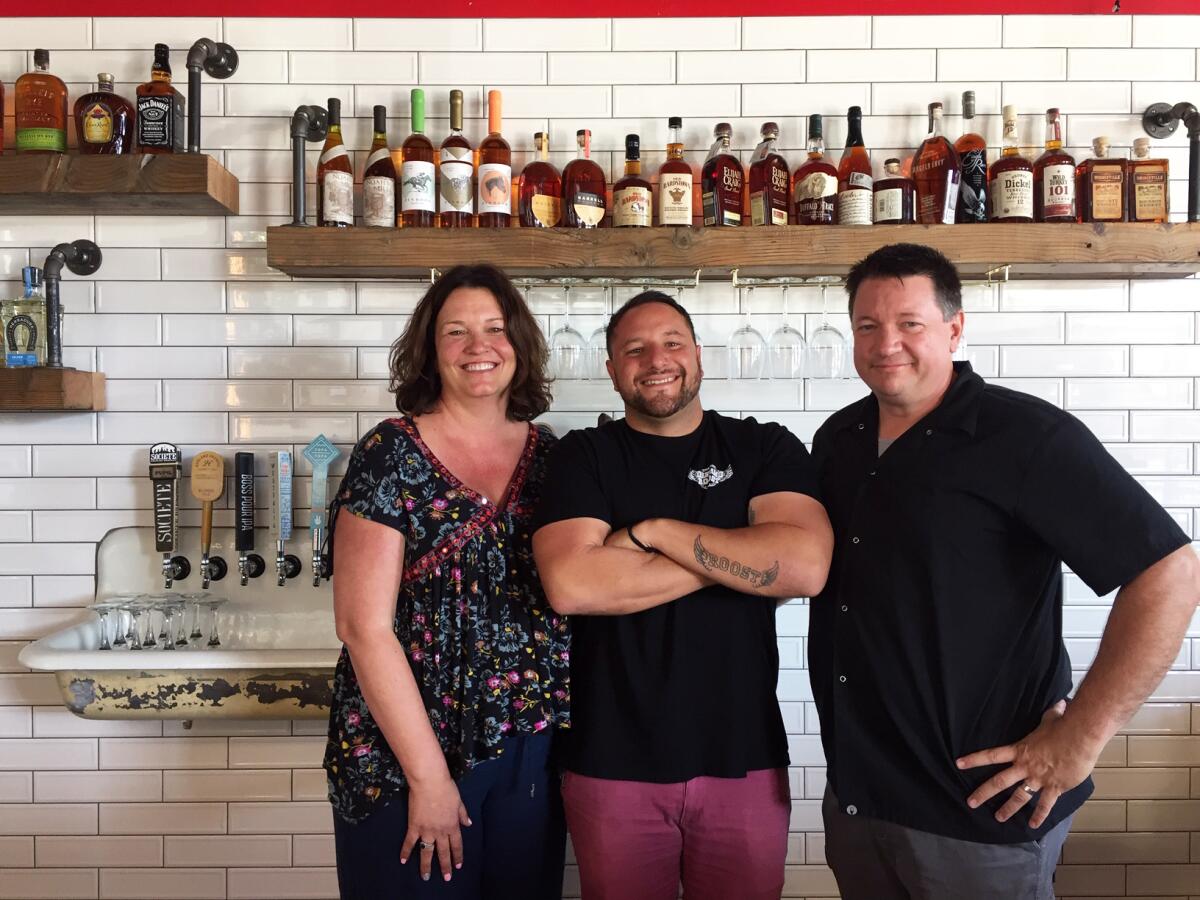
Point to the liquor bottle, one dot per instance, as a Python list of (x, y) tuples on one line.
[(769, 181), (894, 196), (418, 180), (972, 161), (583, 181), (160, 124), (1148, 193), (936, 174), (675, 181), (721, 181), (456, 199), (104, 120), (379, 177), (25, 323), (814, 184), (540, 201), (495, 172), (854, 175), (41, 108), (632, 203), (1100, 186), (335, 177), (1010, 181), (1054, 178)]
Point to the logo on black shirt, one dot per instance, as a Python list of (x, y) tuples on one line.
[(710, 477)]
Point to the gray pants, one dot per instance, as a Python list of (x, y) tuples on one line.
[(877, 860)]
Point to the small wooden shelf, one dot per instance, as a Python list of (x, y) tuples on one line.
[(176, 184), (51, 390), (1030, 251)]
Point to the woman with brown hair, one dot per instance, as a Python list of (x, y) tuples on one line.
[(453, 675)]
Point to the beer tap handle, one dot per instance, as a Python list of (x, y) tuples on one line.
[(281, 509), (208, 484), (321, 452), (243, 465), (164, 472)]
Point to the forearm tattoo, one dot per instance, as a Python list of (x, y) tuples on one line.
[(711, 562)]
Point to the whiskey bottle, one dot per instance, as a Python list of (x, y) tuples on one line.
[(495, 172), (894, 196), (1100, 186), (1010, 181), (632, 202), (456, 197), (584, 194), (972, 160), (769, 181), (854, 175), (1148, 197), (104, 121), (540, 202), (418, 180), (379, 177), (721, 181), (814, 184), (160, 124), (1054, 178), (25, 323), (675, 181), (41, 108), (936, 174), (335, 176)]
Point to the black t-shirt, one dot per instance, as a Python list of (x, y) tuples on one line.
[(939, 632), (686, 688)]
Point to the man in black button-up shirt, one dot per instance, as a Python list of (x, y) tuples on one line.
[(936, 650)]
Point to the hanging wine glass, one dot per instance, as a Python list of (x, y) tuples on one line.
[(567, 346), (597, 345), (785, 347), (747, 349), (826, 347)]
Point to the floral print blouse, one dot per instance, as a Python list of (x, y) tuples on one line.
[(489, 655)]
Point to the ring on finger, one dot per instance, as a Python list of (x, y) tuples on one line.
[(1030, 791), (426, 845)]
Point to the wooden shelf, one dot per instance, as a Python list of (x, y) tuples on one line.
[(1030, 251), (176, 184), (51, 390)]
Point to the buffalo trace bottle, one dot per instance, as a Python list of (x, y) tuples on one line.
[(379, 177), (632, 204), (814, 184), (104, 121), (539, 205), (418, 180), (584, 187), (456, 198), (1054, 178), (675, 181), (495, 172), (769, 185), (1100, 186), (935, 173), (335, 177), (972, 160), (854, 175), (1010, 181), (894, 194), (721, 181)]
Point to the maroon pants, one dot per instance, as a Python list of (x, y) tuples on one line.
[(722, 837)]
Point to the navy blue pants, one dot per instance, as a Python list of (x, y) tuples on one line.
[(514, 850)]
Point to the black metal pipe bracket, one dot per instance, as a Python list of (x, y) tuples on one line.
[(218, 60), (1161, 120), (309, 123), (82, 257)]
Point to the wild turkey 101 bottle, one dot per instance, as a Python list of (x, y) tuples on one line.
[(160, 124), (1054, 178)]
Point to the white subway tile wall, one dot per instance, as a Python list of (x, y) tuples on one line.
[(204, 345)]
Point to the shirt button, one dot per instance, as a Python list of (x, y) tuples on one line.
[(842, 679), (861, 426), (852, 810), (854, 540), (928, 432), (872, 471), (845, 608)]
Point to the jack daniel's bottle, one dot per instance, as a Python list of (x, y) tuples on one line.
[(160, 124)]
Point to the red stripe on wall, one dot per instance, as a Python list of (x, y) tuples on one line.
[(444, 9)]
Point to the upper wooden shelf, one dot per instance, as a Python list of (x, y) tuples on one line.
[(45, 389), (168, 184), (1030, 251)]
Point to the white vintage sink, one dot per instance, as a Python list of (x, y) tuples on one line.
[(278, 645)]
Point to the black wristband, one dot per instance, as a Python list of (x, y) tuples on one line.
[(637, 543)]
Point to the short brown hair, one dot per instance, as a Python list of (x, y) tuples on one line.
[(413, 362), (906, 260)]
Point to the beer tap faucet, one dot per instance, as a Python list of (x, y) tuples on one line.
[(164, 472), (320, 453), (250, 564), (208, 483), (286, 565)]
